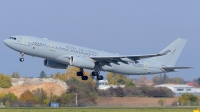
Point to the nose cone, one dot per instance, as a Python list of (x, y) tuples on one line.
[(6, 42)]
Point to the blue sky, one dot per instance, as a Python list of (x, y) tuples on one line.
[(125, 27)]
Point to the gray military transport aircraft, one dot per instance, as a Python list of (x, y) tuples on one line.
[(60, 55)]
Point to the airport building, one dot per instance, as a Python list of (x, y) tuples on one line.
[(178, 90), (102, 85)]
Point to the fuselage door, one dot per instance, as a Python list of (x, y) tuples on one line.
[(52, 46), (146, 65), (25, 41)]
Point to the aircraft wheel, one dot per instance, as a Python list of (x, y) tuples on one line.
[(84, 77), (21, 59), (79, 74), (100, 77), (95, 73)]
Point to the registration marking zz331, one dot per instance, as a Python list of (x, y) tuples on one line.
[(145, 65)]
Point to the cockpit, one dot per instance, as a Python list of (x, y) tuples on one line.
[(12, 38)]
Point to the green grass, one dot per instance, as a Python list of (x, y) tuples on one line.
[(101, 109)]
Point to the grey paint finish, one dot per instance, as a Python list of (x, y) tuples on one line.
[(103, 61)]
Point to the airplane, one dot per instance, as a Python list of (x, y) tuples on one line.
[(61, 55)]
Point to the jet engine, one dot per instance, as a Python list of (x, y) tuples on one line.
[(82, 62), (54, 64)]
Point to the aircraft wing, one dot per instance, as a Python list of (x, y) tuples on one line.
[(131, 57)]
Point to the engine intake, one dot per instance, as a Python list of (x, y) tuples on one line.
[(82, 62), (54, 64)]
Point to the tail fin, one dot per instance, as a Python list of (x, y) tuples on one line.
[(175, 50)]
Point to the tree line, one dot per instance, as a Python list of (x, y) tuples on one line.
[(87, 94), (87, 91), (28, 98), (143, 91), (164, 79)]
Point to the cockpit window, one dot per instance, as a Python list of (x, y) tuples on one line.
[(12, 38)]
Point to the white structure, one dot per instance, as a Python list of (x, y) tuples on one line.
[(102, 85), (180, 89)]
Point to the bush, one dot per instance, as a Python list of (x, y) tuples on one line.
[(136, 91), (104, 93), (5, 81), (8, 99), (133, 91), (87, 92), (161, 101), (66, 98), (112, 92), (7, 103), (159, 92), (39, 95), (119, 92), (188, 99), (145, 89), (27, 97)]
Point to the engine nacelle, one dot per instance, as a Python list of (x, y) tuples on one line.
[(54, 64), (82, 62)]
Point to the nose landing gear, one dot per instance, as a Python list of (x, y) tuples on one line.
[(22, 55), (21, 59)]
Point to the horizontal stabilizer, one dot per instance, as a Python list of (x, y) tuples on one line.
[(175, 68)]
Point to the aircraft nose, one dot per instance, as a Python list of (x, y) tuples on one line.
[(6, 42)]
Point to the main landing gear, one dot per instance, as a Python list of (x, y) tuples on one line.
[(81, 73), (96, 73), (22, 57)]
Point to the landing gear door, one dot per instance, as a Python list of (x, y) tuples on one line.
[(52, 46)]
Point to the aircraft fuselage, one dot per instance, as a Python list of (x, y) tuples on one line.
[(60, 52)]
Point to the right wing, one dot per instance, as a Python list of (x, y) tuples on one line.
[(115, 59)]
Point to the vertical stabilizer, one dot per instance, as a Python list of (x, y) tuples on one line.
[(175, 49)]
